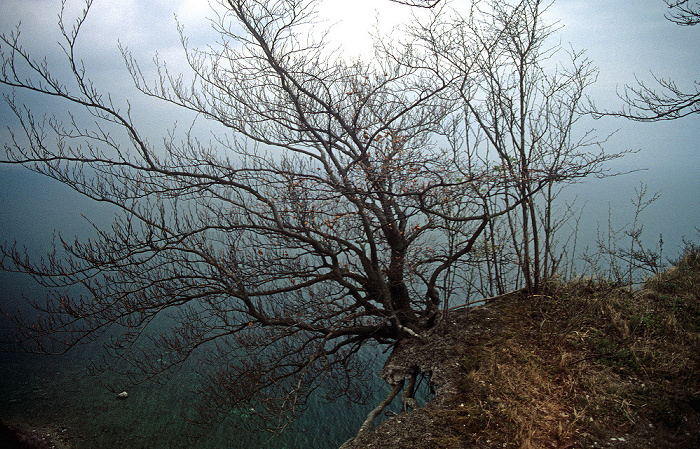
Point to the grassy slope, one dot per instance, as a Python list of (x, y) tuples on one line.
[(588, 365)]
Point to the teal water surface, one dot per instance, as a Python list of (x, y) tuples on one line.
[(58, 392)]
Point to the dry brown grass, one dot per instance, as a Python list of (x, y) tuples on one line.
[(588, 365)]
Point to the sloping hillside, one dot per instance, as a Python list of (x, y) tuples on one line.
[(587, 365)]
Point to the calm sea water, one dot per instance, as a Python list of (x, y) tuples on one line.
[(58, 392)]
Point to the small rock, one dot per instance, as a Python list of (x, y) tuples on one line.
[(123, 395)]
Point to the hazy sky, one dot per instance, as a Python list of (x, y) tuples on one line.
[(624, 38)]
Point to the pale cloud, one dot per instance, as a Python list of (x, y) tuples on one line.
[(352, 24)]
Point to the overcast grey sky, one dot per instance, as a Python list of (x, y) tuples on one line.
[(624, 38)]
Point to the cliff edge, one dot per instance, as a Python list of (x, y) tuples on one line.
[(589, 364)]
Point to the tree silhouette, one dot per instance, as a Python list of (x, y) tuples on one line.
[(665, 100), (335, 207), (683, 12)]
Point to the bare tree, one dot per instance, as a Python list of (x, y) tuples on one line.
[(335, 207), (683, 12), (665, 100), (621, 255), (518, 114), (418, 3)]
